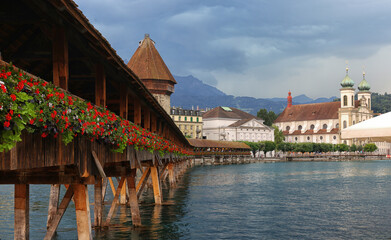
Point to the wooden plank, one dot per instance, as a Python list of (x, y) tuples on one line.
[(156, 185), (153, 123), (147, 118), (53, 202), (133, 200), (137, 112), (100, 86), (112, 185), (171, 174), (21, 211), (82, 208), (60, 58), (98, 199), (14, 158), (143, 181), (98, 165), (123, 104), (114, 203), (53, 224)]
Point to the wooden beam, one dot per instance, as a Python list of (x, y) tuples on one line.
[(143, 181), (98, 199), (114, 203), (60, 58), (123, 104), (21, 214), (147, 118), (53, 202), (82, 207), (100, 86), (171, 175), (133, 200), (137, 112), (156, 185), (153, 123), (53, 224)]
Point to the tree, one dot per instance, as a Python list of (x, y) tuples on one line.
[(285, 146), (370, 147), (342, 147), (268, 117), (269, 146), (278, 136), (353, 148), (254, 147), (359, 148)]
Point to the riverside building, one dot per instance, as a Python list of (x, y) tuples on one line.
[(322, 122), (189, 121), (232, 124)]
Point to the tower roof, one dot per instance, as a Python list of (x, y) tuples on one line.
[(147, 63), (347, 82), (364, 85)]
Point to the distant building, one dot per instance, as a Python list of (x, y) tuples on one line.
[(321, 122), (149, 66), (232, 124), (189, 121)]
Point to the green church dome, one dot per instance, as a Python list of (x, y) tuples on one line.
[(347, 82), (364, 85)]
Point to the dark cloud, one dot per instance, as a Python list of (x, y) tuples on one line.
[(279, 44)]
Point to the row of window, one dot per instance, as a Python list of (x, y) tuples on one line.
[(308, 138), (185, 119), (185, 127), (312, 127)]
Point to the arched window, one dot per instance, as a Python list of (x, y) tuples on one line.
[(287, 128), (345, 100), (296, 139), (345, 124), (337, 125), (324, 126), (344, 142), (353, 101), (321, 137), (335, 137), (369, 103), (312, 126), (300, 127), (308, 138)]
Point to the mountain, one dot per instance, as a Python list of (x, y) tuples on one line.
[(191, 92)]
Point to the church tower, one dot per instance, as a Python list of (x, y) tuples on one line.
[(364, 95), (149, 66), (345, 112)]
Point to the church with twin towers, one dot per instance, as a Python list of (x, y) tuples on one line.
[(322, 122)]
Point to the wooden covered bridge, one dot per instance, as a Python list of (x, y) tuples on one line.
[(64, 139), (219, 152)]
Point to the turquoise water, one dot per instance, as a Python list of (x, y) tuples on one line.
[(289, 200)]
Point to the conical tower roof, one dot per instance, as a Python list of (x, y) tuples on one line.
[(147, 63)]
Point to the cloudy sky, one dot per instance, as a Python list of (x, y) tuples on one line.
[(258, 48)]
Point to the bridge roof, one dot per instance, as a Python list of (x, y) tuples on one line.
[(205, 143)]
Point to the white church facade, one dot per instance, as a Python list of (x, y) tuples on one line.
[(321, 122)]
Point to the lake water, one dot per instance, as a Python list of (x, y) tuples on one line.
[(287, 200)]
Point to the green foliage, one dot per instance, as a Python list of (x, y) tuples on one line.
[(342, 147), (359, 148), (268, 117), (381, 103), (353, 148), (278, 136), (269, 146), (253, 145), (304, 147), (370, 147), (285, 146)]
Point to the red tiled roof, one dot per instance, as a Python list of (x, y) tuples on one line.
[(219, 112), (147, 63), (313, 111)]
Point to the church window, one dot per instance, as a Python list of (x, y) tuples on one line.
[(179, 118), (335, 137), (324, 126), (296, 139), (345, 124), (337, 125), (344, 142), (300, 127), (288, 128), (352, 100), (308, 138), (312, 127), (321, 137), (345, 100), (369, 103)]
